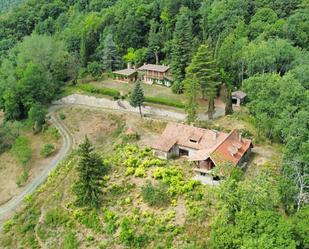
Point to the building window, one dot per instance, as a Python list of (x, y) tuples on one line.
[(193, 141), (183, 152)]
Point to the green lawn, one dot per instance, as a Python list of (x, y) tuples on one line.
[(155, 91)]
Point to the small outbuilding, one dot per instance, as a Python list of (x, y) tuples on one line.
[(238, 97), (126, 75)]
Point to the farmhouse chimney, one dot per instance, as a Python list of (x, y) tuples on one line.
[(215, 135), (129, 65), (240, 137)]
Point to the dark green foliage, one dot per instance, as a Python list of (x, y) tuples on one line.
[(95, 69), (90, 170), (181, 48), (204, 68), (155, 195), (36, 115), (248, 216), (137, 97), (129, 236), (8, 134), (109, 55), (229, 104)]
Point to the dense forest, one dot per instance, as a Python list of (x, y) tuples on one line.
[(259, 46)]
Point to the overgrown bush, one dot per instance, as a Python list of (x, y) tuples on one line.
[(47, 150), (21, 150), (155, 195)]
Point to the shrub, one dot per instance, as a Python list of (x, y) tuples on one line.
[(22, 178), (70, 241), (56, 217), (62, 116), (21, 150), (8, 225), (155, 195), (100, 90), (167, 102), (140, 172), (110, 219), (52, 132), (47, 150)]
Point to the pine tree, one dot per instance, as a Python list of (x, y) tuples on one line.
[(192, 90), (91, 170), (110, 59), (181, 48), (137, 97), (203, 66)]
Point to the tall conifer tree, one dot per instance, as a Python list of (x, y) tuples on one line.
[(91, 170), (203, 66), (110, 58), (192, 90), (181, 48), (137, 97)]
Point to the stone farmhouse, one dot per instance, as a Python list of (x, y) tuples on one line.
[(207, 148), (148, 73)]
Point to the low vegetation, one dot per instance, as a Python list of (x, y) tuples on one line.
[(47, 150)]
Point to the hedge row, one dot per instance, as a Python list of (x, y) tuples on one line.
[(100, 90), (167, 102), (116, 95)]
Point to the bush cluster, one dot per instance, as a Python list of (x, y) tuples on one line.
[(173, 176), (137, 160)]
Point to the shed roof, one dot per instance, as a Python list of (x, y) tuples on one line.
[(239, 94), (125, 72), (153, 67)]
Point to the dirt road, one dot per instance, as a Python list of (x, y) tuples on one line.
[(8, 208)]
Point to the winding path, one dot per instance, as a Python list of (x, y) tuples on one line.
[(14, 203), (77, 100)]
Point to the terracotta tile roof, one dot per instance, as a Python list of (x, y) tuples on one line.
[(239, 94), (153, 67), (188, 136), (218, 146), (125, 72), (233, 148)]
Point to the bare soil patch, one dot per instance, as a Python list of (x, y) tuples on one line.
[(10, 170)]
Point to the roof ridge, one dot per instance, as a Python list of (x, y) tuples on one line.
[(217, 146)]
